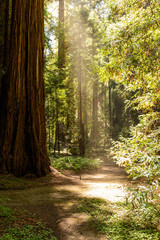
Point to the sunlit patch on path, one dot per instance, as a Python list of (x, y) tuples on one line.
[(112, 192), (108, 183)]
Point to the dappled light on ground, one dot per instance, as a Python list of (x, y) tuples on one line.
[(109, 191), (109, 183), (56, 199), (112, 192)]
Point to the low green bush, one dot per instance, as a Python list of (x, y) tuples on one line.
[(140, 153), (75, 164), (6, 212)]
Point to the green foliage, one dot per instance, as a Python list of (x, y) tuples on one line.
[(75, 164), (132, 41), (89, 205), (140, 153), (145, 196), (28, 232), (6, 212), (13, 225), (3, 199), (98, 210), (120, 221), (12, 182)]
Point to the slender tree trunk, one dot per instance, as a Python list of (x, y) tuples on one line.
[(105, 115), (57, 139), (61, 40), (85, 106), (95, 133), (110, 108), (81, 124), (49, 125), (23, 139), (61, 64)]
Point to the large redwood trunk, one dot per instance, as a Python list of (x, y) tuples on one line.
[(23, 137)]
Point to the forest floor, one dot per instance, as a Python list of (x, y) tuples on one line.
[(56, 198)]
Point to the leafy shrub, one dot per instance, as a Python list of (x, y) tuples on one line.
[(145, 203), (6, 212), (140, 154), (75, 164)]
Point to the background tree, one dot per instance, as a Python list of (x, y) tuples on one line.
[(81, 68)]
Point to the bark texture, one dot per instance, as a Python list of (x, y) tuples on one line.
[(23, 136)]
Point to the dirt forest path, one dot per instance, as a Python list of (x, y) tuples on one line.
[(55, 199)]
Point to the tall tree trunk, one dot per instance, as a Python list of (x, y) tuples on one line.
[(85, 105), (49, 125), (57, 139), (2, 33), (110, 108), (105, 115), (5, 38), (23, 139), (5, 49), (61, 41), (81, 124), (95, 133), (61, 64)]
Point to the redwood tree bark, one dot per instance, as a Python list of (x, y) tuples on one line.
[(4, 19), (23, 137)]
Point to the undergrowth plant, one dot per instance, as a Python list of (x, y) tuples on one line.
[(121, 221), (28, 232), (140, 153), (6, 212), (12, 182), (75, 164), (14, 225)]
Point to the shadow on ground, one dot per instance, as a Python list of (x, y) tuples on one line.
[(55, 199)]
